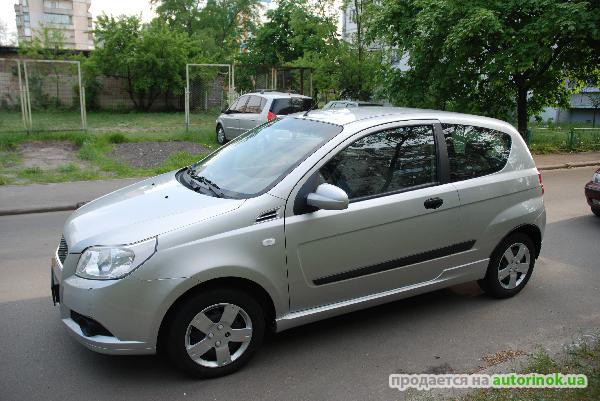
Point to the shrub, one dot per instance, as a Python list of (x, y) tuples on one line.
[(117, 138)]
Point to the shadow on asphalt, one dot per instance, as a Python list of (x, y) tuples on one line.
[(573, 241), (35, 321)]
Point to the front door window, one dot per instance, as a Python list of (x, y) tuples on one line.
[(388, 161)]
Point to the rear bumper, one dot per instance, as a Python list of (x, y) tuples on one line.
[(592, 194)]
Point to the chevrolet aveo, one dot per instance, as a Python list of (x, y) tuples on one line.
[(299, 219)]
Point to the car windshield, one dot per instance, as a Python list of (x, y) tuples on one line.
[(255, 161)]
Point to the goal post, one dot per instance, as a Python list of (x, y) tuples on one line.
[(207, 86)]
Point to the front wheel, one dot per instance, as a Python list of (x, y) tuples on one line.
[(221, 138), (214, 333), (510, 267), (596, 211)]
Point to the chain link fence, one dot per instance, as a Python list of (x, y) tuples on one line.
[(294, 80), (54, 95), (55, 100), (209, 89), (12, 102), (41, 95)]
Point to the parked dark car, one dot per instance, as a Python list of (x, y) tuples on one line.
[(592, 193)]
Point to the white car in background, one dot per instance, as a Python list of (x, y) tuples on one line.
[(256, 108), (345, 104)]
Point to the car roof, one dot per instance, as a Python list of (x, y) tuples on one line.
[(390, 114), (276, 94)]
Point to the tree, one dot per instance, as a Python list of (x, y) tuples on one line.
[(151, 58), (494, 57), (217, 26), (292, 30), (6, 39)]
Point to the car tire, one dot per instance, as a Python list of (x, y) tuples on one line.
[(596, 211), (221, 138), (508, 271), (203, 348)]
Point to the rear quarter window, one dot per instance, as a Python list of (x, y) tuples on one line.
[(475, 151)]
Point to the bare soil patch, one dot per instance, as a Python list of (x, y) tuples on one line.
[(48, 155), (152, 154)]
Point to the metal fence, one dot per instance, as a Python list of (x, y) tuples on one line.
[(209, 87), (41, 95), (50, 95), (12, 99)]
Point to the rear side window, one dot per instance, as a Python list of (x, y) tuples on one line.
[(254, 105), (475, 151), (239, 105), (290, 105), (388, 161)]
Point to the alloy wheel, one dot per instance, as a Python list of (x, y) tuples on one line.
[(218, 335), (514, 266), (221, 135)]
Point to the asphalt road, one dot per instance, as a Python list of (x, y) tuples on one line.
[(344, 358)]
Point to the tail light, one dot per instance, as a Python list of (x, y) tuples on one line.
[(271, 116), (541, 183)]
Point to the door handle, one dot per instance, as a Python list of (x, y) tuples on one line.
[(433, 203)]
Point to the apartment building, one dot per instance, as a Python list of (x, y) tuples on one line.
[(71, 17)]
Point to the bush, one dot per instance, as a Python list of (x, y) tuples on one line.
[(32, 171), (68, 168), (117, 138)]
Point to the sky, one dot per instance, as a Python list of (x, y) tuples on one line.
[(114, 7)]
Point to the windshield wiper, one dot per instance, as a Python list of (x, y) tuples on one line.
[(208, 184)]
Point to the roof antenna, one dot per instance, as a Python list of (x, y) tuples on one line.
[(309, 110)]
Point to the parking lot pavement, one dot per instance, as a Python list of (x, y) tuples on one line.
[(345, 358)]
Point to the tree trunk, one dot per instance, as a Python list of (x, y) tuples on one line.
[(522, 118)]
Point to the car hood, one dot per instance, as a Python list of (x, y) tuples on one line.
[(140, 211)]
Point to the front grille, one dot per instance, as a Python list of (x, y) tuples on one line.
[(62, 250)]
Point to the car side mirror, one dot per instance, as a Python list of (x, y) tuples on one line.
[(328, 197), (225, 110)]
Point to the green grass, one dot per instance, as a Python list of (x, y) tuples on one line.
[(584, 359), (107, 128), (105, 121), (94, 147)]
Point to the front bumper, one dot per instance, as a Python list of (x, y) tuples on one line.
[(130, 310), (592, 194)]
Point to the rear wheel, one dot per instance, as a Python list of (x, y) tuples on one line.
[(510, 267), (221, 138), (215, 333), (596, 211)]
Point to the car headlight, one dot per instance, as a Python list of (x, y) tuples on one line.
[(114, 262), (596, 178)]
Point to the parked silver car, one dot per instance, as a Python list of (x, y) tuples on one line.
[(253, 109), (300, 219)]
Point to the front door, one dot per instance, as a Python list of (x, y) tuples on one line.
[(231, 120), (401, 224), (250, 117)]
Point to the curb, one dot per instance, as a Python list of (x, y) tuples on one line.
[(64, 208), (569, 165), (60, 208)]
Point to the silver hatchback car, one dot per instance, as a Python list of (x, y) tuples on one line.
[(299, 219), (256, 108)]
